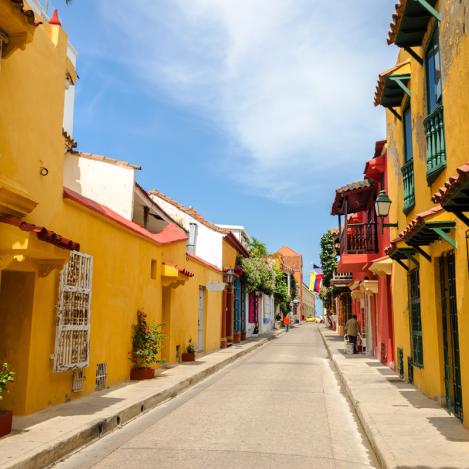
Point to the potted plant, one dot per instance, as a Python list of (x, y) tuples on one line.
[(146, 344), (6, 416), (189, 354)]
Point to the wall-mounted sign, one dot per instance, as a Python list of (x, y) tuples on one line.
[(215, 286)]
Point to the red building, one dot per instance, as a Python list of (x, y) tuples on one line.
[(363, 273), (293, 262)]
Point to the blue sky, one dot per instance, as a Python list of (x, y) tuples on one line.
[(251, 111)]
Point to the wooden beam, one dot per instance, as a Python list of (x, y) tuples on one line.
[(430, 9), (402, 264), (423, 253), (445, 236), (414, 54), (395, 113)]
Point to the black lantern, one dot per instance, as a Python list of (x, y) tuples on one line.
[(382, 204), (229, 276), (382, 208)]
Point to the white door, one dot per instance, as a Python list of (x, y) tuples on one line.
[(201, 330)]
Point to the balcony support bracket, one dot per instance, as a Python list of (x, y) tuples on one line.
[(462, 217), (445, 236), (402, 264), (395, 113), (399, 79), (414, 54), (423, 253), (430, 9)]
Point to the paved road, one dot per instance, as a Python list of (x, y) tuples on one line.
[(279, 407)]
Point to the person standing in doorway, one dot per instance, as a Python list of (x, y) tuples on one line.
[(351, 329), (286, 322)]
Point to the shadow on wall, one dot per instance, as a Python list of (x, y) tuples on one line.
[(72, 173), (451, 428)]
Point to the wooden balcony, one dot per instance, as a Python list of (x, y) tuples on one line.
[(436, 146), (341, 279), (408, 179), (359, 238)]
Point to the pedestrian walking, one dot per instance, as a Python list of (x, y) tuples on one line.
[(352, 329), (286, 322)]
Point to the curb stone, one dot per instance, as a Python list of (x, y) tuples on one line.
[(384, 458), (72, 442)]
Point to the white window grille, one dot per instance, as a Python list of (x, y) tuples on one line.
[(191, 242), (78, 380), (101, 375), (72, 337)]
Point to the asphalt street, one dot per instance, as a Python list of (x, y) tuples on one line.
[(279, 407)]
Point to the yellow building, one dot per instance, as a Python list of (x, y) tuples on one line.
[(425, 95), (76, 260)]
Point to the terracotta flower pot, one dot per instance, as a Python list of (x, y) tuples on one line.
[(188, 356), (6, 419), (137, 374)]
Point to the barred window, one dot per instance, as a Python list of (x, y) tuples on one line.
[(73, 314), (415, 318)]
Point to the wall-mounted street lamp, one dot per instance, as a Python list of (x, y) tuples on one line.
[(229, 276), (382, 207)]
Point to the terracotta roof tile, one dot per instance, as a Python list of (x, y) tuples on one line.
[(171, 234), (396, 21), (412, 227), (382, 80), (28, 12), (105, 159), (182, 270), (43, 233), (190, 211), (452, 186)]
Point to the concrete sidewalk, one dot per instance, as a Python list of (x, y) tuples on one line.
[(405, 428), (46, 436)]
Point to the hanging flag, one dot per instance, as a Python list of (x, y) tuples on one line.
[(318, 282), (312, 281)]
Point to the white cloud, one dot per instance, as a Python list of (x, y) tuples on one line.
[(289, 81)]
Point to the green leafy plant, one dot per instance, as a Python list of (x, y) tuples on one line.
[(328, 258), (146, 342), (190, 346), (281, 296), (6, 377)]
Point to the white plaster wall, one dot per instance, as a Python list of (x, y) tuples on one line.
[(266, 314), (69, 110), (69, 104), (106, 183), (209, 244)]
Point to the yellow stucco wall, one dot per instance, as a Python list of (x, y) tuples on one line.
[(32, 86), (454, 46)]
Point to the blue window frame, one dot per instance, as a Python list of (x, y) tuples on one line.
[(433, 69)]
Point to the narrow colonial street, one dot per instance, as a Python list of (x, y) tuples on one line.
[(280, 406)]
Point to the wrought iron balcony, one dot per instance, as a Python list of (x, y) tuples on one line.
[(359, 238), (436, 146), (408, 178)]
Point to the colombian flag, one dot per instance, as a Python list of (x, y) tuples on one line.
[(315, 279)]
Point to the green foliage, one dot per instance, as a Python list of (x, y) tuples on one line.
[(281, 296), (257, 248), (293, 288), (6, 377), (146, 342), (326, 294), (190, 346), (328, 256), (259, 274)]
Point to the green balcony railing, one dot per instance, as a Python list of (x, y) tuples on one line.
[(408, 178), (436, 147)]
